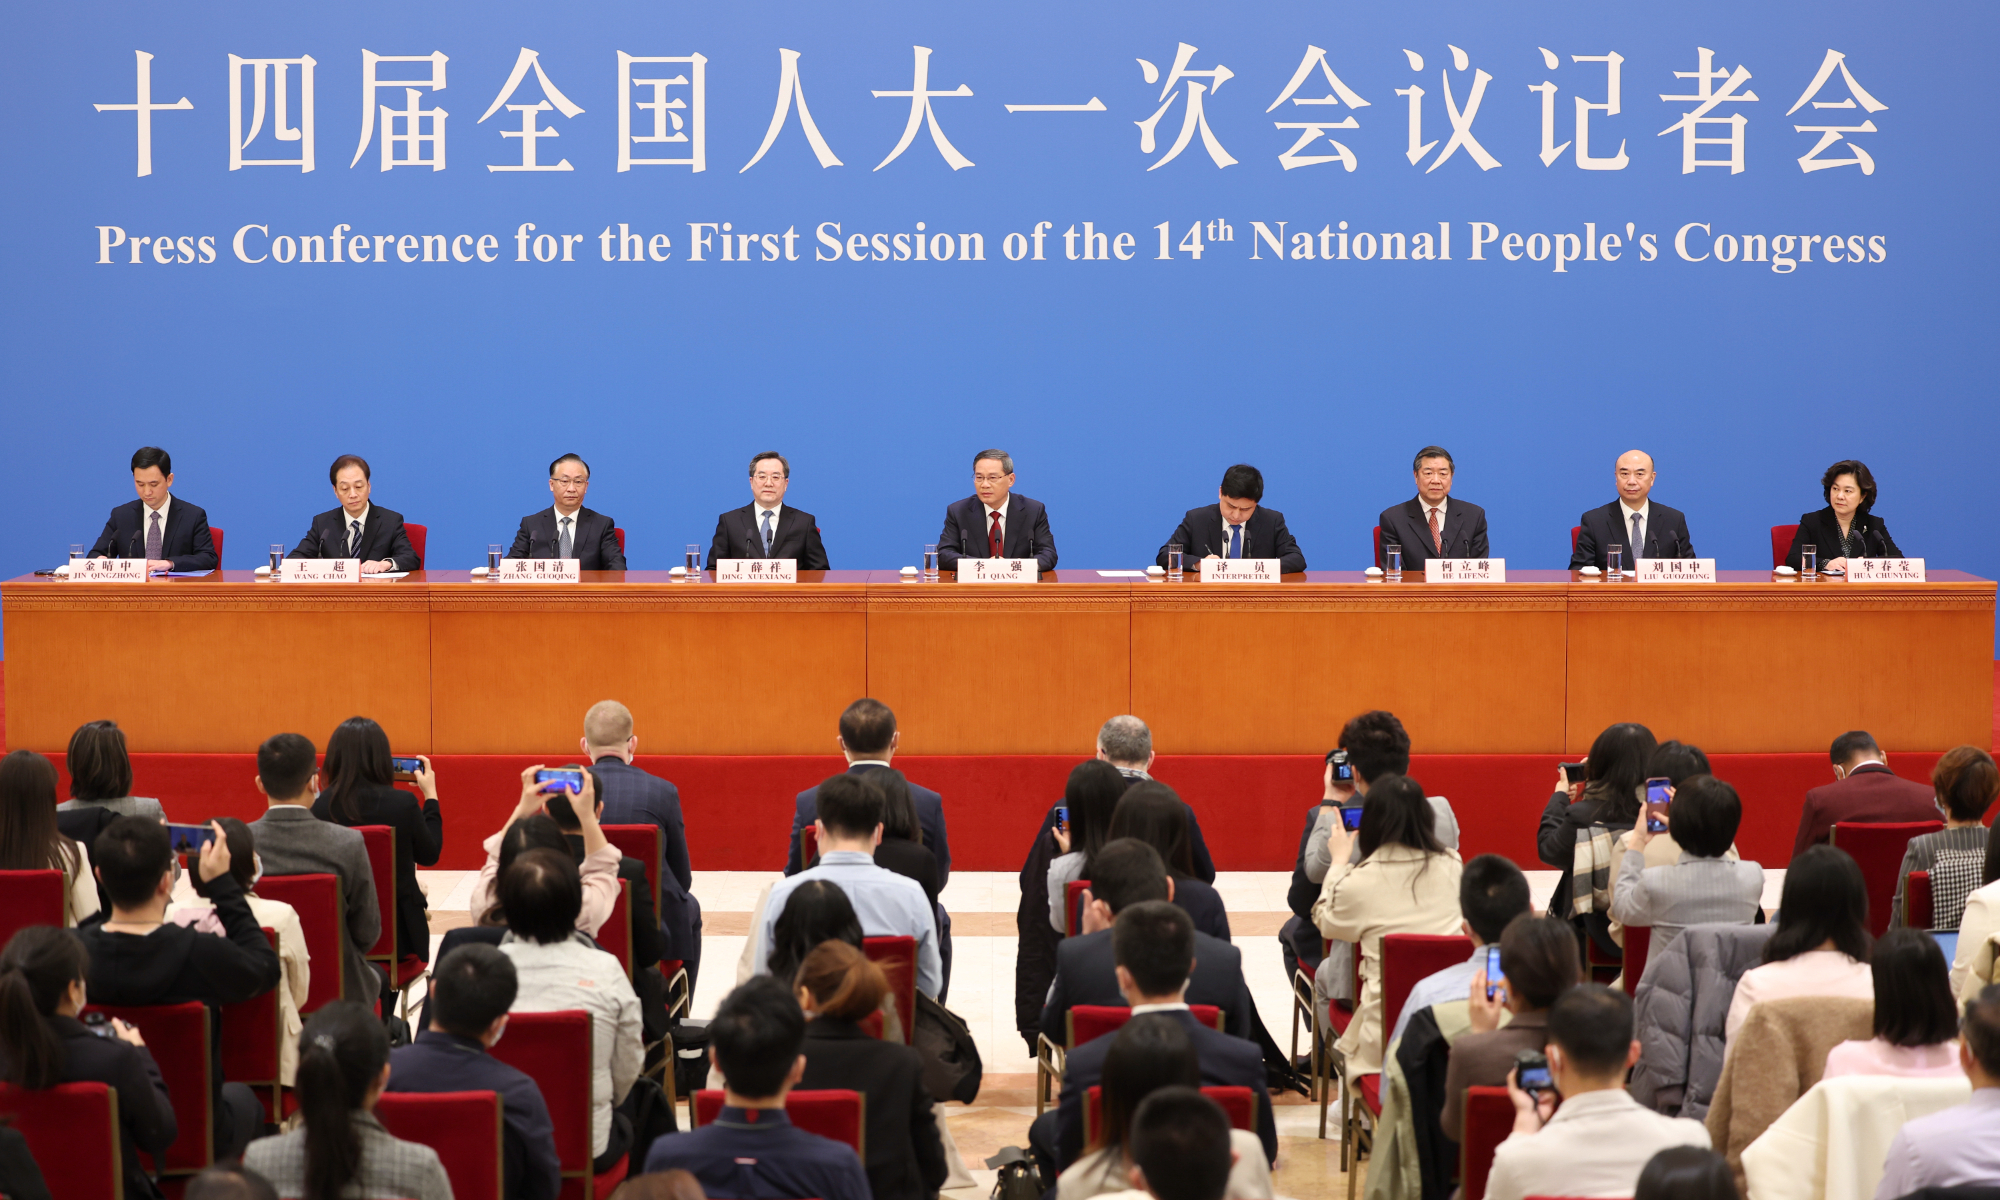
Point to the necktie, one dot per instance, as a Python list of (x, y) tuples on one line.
[(1436, 541), (993, 536), (767, 533), (354, 539), (153, 538), (1634, 556), (1236, 541), (563, 546)]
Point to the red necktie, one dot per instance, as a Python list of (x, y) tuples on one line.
[(1435, 540), (993, 536)]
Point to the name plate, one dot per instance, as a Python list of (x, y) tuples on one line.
[(109, 570), (1674, 570), (1239, 570), (540, 570), (999, 570), (756, 570), (319, 570), (1885, 570), (1465, 570)]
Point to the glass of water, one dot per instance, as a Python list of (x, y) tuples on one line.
[(277, 556), (493, 555), (1392, 555), (930, 562), (693, 563), (75, 556), (1808, 561), (1614, 562), (1173, 562)]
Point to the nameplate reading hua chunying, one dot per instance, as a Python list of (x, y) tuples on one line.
[(1885, 570), (540, 570), (1239, 570), (756, 570), (319, 570), (1674, 570), (108, 570), (998, 570), (1465, 570)]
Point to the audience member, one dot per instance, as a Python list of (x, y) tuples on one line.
[(664, 1185), (1405, 882), (817, 911), (1600, 1140), (291, 841), (902, 848), (838, 987), (1916, 1023), (631, 796), (229, 1181), (1091, 795), (1704, 887), (20, 1176), (1181, 1148), (1492, 891), (43, 974), (752, 1149), (472, 988), (138, 958), (1820, 947), (1127, 744), (1676, 762), (1582, 824), (1151, 1052), (598, 870), (1538, 956), (338, 1149), (1377, 747), (100, 773), (1864, 790), (30, 839), (1152, 813), (868, 738), (1966, 782), (1980, 922), (1686, 1173), (1960, 1145), (361, 790)]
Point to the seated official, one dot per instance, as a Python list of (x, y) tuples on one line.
[(32, 840), (1433, 525), (1845, 528), (868, 738), (1236, 526), (170, 535), (1152, 813), (1181, 1148), (1864, 791), (752, 1149), (358, 529), (1820, 946), (568, 529), (994, 523), (291, 841), (1960, 1145), (765, 528), (1705, 887), (1916, 1023), (1632, 521), (361, 790), (1492, 891), (1539, 957), (1967, 783)]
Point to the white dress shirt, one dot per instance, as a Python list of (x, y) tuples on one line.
[(348, 538), (1430, 508), (986, 530), (757, 512), (1633, 545), (146, 523), (575, 519)]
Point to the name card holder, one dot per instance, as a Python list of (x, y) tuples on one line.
[(109, 570), (1239, 570), (1674, 570), (319, 570), (756, 570), (1885, 570), (540, 570), (999, 570), (1465, 570)]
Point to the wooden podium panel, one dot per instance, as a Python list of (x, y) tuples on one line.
[(1279, 668), (217, 663), (1000, 668), (1759, 663), (706, 668)]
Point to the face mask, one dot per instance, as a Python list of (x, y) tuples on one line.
[(258, 861)]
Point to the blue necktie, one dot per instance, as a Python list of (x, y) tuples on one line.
[(767, 533), (354, 539), (1236, 541)]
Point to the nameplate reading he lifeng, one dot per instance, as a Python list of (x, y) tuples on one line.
[(1465, 570)]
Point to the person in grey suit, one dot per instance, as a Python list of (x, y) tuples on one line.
[(567, 529), (1460, 527), (766, 527), (291, 841), (1705, 887)]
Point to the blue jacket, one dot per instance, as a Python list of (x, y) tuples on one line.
[(930, 815), (445, 1062), (759, 1154)]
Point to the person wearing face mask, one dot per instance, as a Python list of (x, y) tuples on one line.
[(567, 529), (1846, 528)]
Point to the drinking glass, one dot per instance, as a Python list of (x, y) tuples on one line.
[(75, 557), (1808, 561), (1392, 554), (277, 557), (1173, 562), (693, 563), (1614, 562), (493, 554), (930, 562)]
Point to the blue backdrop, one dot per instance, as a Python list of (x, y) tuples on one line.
[(1122, 386)]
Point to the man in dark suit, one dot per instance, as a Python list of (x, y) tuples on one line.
[(765, 528), (171, 535), (1156, 947), (1632, 522), (1236, 526), (632, 796), (357, 529), (868, 738), (1432, 525), (567, 529), (1864, 790), (993, 522)]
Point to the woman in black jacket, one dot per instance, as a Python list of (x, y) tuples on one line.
[(1152, 812), (42, 973), (1845, 528), (1608, 804), (361, 790)]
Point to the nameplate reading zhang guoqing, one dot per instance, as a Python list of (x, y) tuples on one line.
[(998, 570), (1239, 570), (540, 570), (319, 570), (1674, 570), (1885, 570), (108, 570), (1465, 570), (756, 570)]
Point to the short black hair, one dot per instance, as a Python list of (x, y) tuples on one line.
[(1863, 479), (1491, 892), (1674, 761), (1593, 1025), (229, 1181), (867, 726), (286, 763), (152, 456), (1539, 955), (1705, 815), (848, 807), (1981, 1029), (242, 843), (1824, 898), (345, 461), (756, 1034), (99, 767), (1853, 742), (131, 854), (1180, 1139), (1686, 1173), (541, 892), (1154, 940), (1125, 872), (1913, 1004), (1243, 482), (1376, 745), (1417, 463), (473, 987), (575, 458)]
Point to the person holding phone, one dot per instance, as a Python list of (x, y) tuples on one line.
[(361, 790), (599, 868), (1090, 797), (1538, 962), (1705, 887), (1581, 823)]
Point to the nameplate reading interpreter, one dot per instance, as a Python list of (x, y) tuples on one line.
[(1239, 570), (1465, 570), (108, 570), (540, 570), (319, 570), (1885, 570), (1674, 570), (756, 570), (999, 570)]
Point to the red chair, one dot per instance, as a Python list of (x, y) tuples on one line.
[(1238, 1104), (829, 1112), (72, 1132), (1917, 909), (1781, 543), (620, 535), (615, 936), (1340, 1014), (898, 959), (1086, 1023), (1489, 1118), (29, 898), (403, 967), (1073, 906), (216, 535), (808, 844), (1638, 943), (252, 1036), (418, 534), (323, 917), (177, 1035), (1879, 851), (1575, 532), (1407, 958), (555, 1049), (643, 842), (463, 1127), (1378, 545)]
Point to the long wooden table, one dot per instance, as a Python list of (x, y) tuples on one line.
[(454, 665)]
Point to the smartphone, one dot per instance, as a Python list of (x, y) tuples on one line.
[(1062, 817), (189, 839), (99, 1024), (1496, 979), (571, 779), (1342, 772), (1350, 817), (407, 766), (1531, 1072), (1576, 773), (1659, 794)]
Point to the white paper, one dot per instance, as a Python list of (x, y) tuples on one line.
[(540, 570), (109, 570), (1885, 570), (1123, 574), (1674, 570), (1239, 570), (1465, 570), (387, 575), (999, 570), (756, 570)]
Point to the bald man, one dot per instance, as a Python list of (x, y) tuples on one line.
[(1632, 521)]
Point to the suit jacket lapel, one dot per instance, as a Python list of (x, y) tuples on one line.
[(1019, 539), (1454, 528), (1214, 534)]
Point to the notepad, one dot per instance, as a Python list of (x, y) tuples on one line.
[(186, 574)]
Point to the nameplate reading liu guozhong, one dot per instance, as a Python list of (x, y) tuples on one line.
[(1465, 570), (1674, 570), (108, 570), (756, 570), (319, 570), (998, 570), (540, 570), (1239, 570), (1885, 570)]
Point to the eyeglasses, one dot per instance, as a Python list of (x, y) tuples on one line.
[(988, 478), (569, 481), (766, 477)]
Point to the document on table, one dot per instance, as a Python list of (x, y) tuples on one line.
[(1123, 574)]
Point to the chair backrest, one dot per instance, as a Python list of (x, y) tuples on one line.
[(1378, 545), (1489, 1118), (1088, 1022), (29, 898), (251, 1035), (898, 959), (1408, 958), (835, 1113), (323, 918), (554, 1048), (463, 1127), (1238, 1104), (177, 1036), (1073, 906), (615, 936), (72, 1132), (1781, 543), (643, 842), (1878, 850), (1638, 944), (216, 534), (808, 844), (381, 843), (1917, 900), (620, 535), (418, 534)]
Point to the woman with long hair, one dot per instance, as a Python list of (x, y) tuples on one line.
[(29, 839), (1091, 796), (902, 848), (337, 1148), (361, 790), (100, 773), (1916, 1023), (1583, 825), (1821, 944), (530, 827), (1155, 814), (815, 912)]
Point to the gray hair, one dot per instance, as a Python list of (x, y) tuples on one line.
[(771, 454), (1005, 460), (1126, 741)]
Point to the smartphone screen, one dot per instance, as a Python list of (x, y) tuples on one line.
[(570, 778), (1343, 772), (1534, 1078), (1496, 979), (1576, 773), (189, 839), (407, 766), (1659, 794), (1350, 817), (1062, 817)]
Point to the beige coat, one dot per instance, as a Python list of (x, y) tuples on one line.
[(1395, 890)]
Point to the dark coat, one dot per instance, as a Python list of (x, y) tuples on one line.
[(905, 1159), (1821, 531), (1407, 525), (1666, 535), (1871, 794), (184, 537), (966, 533), (383, 537), (419, 841), (1203, 532), (1225, 1062), (592, 540), (445, 1062), (930, 815), (1086, 974), (738, 535)]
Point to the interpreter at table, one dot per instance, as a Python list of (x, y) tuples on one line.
[(172, 535), (1237, 525), (765, 528), (1632, 521), (1433, 525), (358, 529), (1846, 528), (993, 522), (568, 529)]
